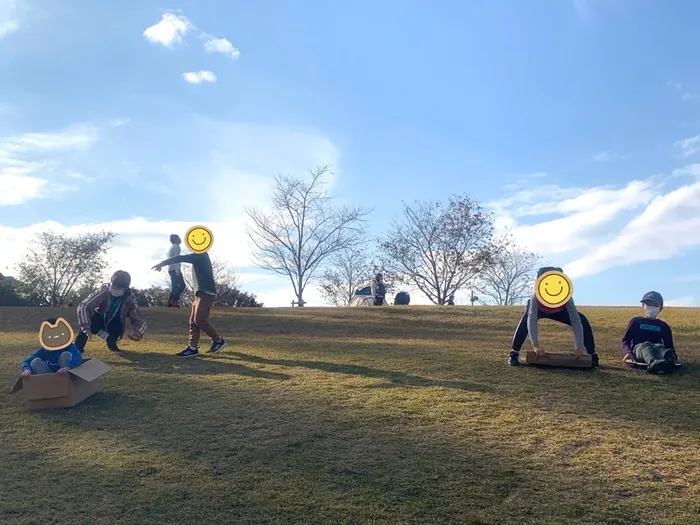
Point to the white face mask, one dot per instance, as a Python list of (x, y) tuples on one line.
[(651, 311), (116, 292)]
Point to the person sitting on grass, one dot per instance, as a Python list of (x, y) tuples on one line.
[(60, 360), (104, 313), (649, 340), (559, 307)]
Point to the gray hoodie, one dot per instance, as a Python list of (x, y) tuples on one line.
[(573, 316)]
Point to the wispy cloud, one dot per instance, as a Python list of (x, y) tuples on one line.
[(688, 147), (682, 90), (681, 301), (24, 170), (9, 16), (199, 77), (223, 46), (169, 31), (588, 231), (605, 156)]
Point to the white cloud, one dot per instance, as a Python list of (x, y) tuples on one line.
[(9, 16), (682, 90), (23, 173), (229, 165), (588, 233), (669, 225), (199, 77), (169, 30), (80, 136), (604, 156), (681, 301), (223, 46), (689, 146), (18, 188)]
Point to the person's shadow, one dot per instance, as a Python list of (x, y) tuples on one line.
[(156, 363), (394, 379)]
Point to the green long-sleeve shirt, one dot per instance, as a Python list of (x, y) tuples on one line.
[(202, 270)]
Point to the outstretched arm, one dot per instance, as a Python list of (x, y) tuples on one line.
[(187, 258)]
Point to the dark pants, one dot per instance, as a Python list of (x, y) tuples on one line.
[(562, 317), (647, 352), (97, 323), (177, 285), (199, 319), (378, 301)]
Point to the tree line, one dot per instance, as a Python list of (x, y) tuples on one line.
[(62, 270), (436, 248)]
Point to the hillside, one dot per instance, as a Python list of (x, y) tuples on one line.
[(385, 415)]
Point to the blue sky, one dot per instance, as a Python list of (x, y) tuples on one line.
[(577, 122)]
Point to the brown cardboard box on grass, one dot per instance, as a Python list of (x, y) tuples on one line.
[(62, 391), (562, 360)]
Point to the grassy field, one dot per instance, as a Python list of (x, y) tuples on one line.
[(385, 415)]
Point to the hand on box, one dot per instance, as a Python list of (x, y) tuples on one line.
[(579, 352), (63, 371), (538, 350), (26, 372)]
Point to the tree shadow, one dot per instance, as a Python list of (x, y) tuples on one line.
[(286, 459), (156, 363), (394, 379)]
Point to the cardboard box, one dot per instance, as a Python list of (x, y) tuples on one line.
[(562, 360), (62, 391)]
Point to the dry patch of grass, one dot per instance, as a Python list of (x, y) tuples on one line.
[(386, 415)]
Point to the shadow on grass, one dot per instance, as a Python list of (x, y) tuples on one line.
[(285, 459), (161, 364), (394, 378)]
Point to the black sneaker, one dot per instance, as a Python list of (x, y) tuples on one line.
[(513, 359), (595, 360), (657, 365), (188, 352), (216, 346), (113, 348)]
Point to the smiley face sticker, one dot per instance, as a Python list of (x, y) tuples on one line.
[(553, 289), (56, 336), (199, 239)]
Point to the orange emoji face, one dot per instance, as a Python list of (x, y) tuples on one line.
[(56, 336)]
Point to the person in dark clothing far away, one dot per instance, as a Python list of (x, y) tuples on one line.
[(104, 313), (177, 281), (554, 289), (199, 239), (378, 289), (648, 339)]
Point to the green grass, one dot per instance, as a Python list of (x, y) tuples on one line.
[(385, 415)]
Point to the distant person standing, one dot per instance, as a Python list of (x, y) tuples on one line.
[(378, 289), (177, 281), (451, 300)]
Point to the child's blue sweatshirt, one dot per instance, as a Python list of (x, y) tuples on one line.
[(51, 358)]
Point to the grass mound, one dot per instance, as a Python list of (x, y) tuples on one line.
[(385, 415)]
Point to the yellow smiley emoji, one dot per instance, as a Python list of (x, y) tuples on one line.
[(553, 289), (199, 239)]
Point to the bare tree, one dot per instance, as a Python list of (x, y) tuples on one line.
[(507, 281), (439, 248), (58, 263), (302, 230), (225, 280)]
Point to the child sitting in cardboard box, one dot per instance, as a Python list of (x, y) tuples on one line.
[(648, 340), (57, 353)]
